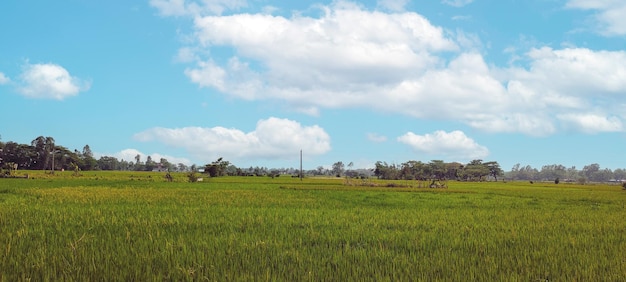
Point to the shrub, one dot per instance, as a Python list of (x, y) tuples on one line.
[(192, 177)]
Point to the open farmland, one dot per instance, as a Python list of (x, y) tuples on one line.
[(136, 226)]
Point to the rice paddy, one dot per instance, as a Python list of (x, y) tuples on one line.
[(136, 226)]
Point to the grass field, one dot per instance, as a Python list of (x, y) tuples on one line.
[(133, 226)]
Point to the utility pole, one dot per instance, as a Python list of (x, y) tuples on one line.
[(52, 168), (52, 172)]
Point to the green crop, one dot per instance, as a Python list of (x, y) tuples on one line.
[(134, 226)]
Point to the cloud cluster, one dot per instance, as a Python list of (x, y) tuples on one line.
[(49, 81), (609, 18), (273, 138), (455, 145), (399, 62)]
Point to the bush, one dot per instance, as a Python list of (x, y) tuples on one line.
[(557, 180), (192, 177)]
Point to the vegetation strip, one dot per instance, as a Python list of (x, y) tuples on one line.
[(107, 226)]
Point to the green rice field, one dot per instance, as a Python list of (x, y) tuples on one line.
[(136, 226)]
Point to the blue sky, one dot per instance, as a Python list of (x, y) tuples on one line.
[(534, 82)]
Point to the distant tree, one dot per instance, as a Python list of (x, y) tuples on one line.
[(338, 168), (87, 151), (165, 164), (437, 169), (350, 173), (519, 172), (320, 170), (619, 174), (150, 164), (108, 163), (88, 161), (475, 171), (589, 171), (40, 149), (138, 164), (386, 171), (124, 165), (494, 169), (408, 170), (603, 175), (232, 170), (453, 169), (552, 171), (182, 167), (216, 168), (572, 173)]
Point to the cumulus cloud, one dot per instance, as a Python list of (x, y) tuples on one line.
[(453, 144), (609, 17), (401, 63), (591, 123), (50, 81), (130, 154), (4, 79), (570, 82), (273, 138)]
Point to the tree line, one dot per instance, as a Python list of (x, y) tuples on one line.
[(44, 154), (476, 170), (589, 173)]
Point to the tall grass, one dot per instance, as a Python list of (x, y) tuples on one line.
[(124, 226)]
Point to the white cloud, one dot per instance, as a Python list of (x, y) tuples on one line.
[(457, 3), (129, 156), (577, 71), (207, 74), (273, 138), (454, 144), (50, 81), (196, 8), (592, 123), (403, 64), (560, 84), (609, 19), (4, 79)]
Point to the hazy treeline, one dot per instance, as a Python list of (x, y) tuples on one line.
[(592, 172), (43, 154)]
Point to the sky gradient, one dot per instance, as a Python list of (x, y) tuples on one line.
[(255, 81)]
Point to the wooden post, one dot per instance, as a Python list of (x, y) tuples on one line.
[(52, 159)]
